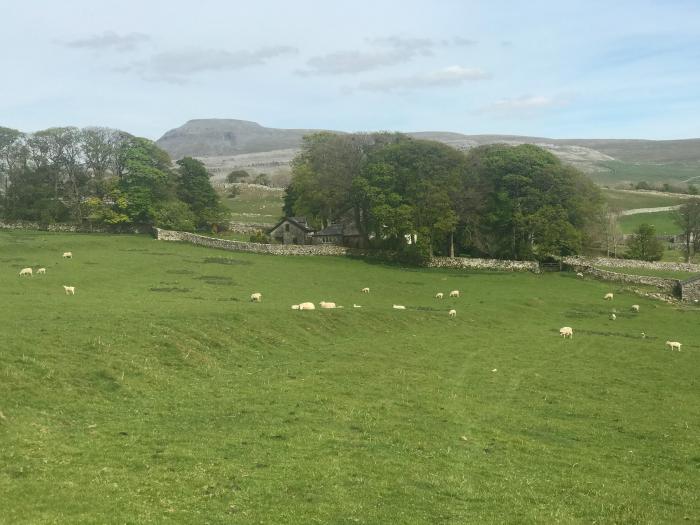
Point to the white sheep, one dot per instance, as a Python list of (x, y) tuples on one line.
[(579, 274), (454, 293), (635, 308), (566, 331), (327, 305), (70, 290), (608, 296), (256, 297), (453, 313), (67, 255), (674, 345), (356, 306), (307, 306), (365, 290), (25, 271), (613, 317), (398, 307), (439, 295), (40, 271)]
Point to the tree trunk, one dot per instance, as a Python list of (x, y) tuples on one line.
[(452, 245)]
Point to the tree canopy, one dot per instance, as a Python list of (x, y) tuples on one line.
[(500, 201), (103, 176)]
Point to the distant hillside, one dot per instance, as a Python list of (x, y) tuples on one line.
[(219, 137), (226, 144)]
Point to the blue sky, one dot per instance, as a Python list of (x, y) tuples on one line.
[(561, 69)]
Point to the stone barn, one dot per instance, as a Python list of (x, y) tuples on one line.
[(292, 230)]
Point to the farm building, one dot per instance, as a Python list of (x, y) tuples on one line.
[(342, 234), (292, 230)]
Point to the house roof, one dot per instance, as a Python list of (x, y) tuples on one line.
[(299, 222), (345, 230)]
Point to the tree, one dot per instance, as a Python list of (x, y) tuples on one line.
[(688, 219), (262, 178), (522, 188), (236, 176), (644, 245), (195, 189)]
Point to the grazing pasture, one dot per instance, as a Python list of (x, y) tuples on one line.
[(663, 222), (629, 200), (256, 205), (160, 393)]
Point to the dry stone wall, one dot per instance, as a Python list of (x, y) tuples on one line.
[(690, 290), (483, 264), (239, 246), (326, 249), (583, 262), (670, 286), (74, 228)]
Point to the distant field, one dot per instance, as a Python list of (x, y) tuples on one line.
[(662, 221), (650, 272), (618, 171), (256, 205), (160, 394), (627, 200)]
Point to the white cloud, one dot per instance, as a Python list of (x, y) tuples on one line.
[(177, 66), (447, 77), (383, 52), (109, 40)]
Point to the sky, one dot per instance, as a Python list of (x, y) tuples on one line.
[(560, 69)]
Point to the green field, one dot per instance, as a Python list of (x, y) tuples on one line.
[(662, 221), (671, 172), (255, 205), (633, 270), (626, 200), (160, 394)]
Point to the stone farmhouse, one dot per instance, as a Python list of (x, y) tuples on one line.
[(296, 230), (292, 230)]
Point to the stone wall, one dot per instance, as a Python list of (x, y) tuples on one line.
[(670, 286), (584, 262), (247, 228), (238, 246), (483, 264), (690, 290), (331, 249), (75, 228)]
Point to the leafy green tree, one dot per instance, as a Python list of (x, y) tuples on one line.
[(145, 178), (237, 176), (262, 178), (644, 245), (174, 215), (195, 189), (522, 188), (688, 219)]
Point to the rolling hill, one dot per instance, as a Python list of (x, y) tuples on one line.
[(226, 144)]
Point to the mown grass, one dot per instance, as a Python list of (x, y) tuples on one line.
[(663, 222), (160, 394), (256, 205), (625, 200)]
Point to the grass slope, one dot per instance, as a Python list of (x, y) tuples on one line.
[(160, 394), (663, 221), (255, 205), (629, 200)]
